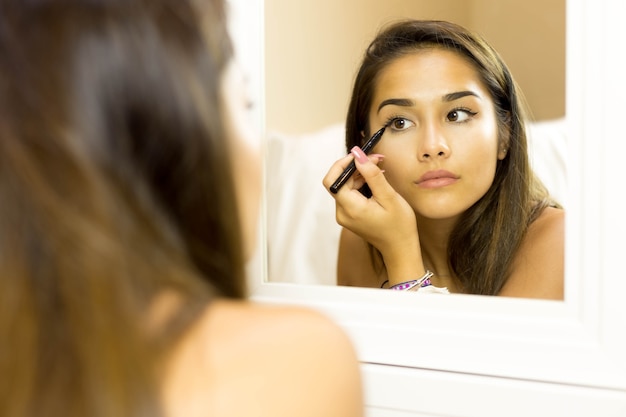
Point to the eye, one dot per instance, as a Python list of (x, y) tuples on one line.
[(399, 123), (460, 115)]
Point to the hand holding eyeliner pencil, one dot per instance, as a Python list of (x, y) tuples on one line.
[(347, 173)]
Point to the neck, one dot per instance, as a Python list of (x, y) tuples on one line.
[(434, 236)]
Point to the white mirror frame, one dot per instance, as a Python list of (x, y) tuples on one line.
[(492, 346)]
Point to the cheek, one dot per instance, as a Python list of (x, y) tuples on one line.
[(400, 164), (245, 151), (482, 146), (247, 166), (481, 166), (478, 160)]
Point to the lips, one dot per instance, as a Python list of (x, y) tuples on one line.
[(436, 179)]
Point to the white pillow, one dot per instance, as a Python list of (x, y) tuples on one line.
[(547, 147), (303, 236)]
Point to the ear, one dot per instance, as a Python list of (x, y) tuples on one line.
[(504, 142), (362, 138), (503, 150)]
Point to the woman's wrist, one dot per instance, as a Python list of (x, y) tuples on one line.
[(414, 284), (404, 265)]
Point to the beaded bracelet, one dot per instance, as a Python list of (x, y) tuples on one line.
[(424, 281)]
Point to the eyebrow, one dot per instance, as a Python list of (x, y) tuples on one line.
[(459, 94), (403, 102), (406, 102)]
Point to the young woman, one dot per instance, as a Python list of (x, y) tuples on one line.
[(129, 200), (452, 198)]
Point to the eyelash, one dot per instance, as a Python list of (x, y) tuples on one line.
[(465, 110), (392, 119), (469, 112)]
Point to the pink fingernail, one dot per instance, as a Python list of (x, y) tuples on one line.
[(378, 155), (359, 155)]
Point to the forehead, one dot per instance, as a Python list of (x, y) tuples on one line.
[(428, 73)]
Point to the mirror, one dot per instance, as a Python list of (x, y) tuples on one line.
[(565, 356), (312, 51)]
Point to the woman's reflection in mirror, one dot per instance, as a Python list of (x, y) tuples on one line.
[(449, 189)]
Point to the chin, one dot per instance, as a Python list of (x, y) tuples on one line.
[(440, 212)]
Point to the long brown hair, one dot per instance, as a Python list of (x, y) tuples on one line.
[(483, 243), (115, 189)]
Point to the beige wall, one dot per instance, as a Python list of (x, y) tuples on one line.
[(530, 36), (313, 48)]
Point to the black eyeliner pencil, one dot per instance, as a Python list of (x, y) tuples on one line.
[(347, 173)]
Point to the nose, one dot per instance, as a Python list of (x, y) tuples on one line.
[(433, 143)]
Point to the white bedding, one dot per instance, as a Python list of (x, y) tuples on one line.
[(302, 233)]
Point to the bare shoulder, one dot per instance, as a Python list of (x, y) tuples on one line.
[(538, 268), (354, 263), (269, 361)]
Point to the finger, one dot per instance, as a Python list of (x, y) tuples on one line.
[(357, 181), (351, 203), (348, 174), (336, 169), (372, 174)]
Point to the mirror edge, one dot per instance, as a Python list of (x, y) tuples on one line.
[(549, 335)]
